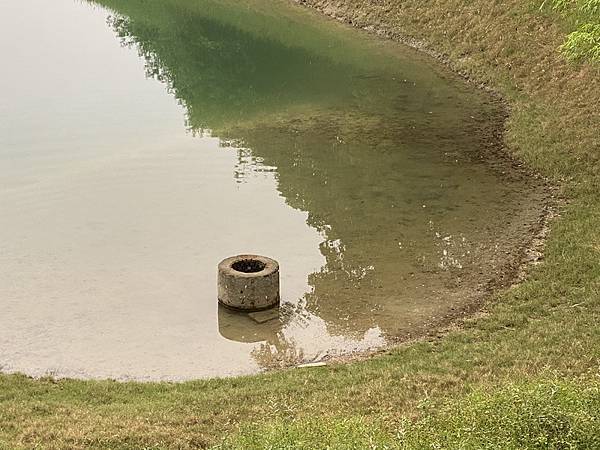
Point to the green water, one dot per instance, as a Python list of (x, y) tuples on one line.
[(366, 169)]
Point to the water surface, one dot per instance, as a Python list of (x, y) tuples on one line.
[(142, 142)]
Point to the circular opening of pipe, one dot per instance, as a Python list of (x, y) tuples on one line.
[(248, 266), (248, 283)]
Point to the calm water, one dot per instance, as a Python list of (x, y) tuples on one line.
[(142, 142)]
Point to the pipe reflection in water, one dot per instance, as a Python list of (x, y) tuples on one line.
[(240, 327), (274, 348)]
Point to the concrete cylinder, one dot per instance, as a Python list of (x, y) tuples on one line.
[(248, 283)]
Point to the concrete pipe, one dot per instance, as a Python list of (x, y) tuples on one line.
[(248, 283)]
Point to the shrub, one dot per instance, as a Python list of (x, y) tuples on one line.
[(582, 44)]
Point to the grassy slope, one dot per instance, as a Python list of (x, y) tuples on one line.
[(543, 330), (547, 415)]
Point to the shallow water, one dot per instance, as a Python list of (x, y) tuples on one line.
[(143, 142)]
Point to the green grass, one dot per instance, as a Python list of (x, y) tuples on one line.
[(583, 16), (534, 415), (495, 375)]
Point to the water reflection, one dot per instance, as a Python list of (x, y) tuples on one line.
[(353, 162), (382, 153), (241, 327)]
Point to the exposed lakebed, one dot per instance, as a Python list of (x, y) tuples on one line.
[(143, 142)]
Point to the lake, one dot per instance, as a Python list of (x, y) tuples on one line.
[(143, 142)]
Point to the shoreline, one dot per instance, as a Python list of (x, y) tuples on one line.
[(525, 258)]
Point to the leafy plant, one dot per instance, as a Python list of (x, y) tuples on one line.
[(582, 44)]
